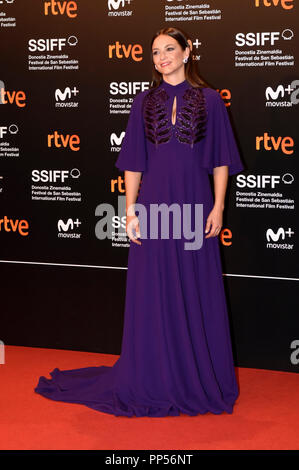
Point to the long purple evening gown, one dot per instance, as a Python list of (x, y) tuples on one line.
[(176, 354)]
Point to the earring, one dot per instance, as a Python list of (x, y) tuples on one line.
[(185, 60)]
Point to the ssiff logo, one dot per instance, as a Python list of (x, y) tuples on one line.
[(51, 44), (12, 129), (262, 38)]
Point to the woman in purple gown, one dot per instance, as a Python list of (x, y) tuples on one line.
[(176, 354)]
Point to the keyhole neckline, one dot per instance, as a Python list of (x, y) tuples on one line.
[(174, 107), (174, 88)]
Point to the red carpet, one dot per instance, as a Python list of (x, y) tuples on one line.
[(266, 415)]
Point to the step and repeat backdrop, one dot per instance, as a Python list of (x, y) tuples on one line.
[(68, 74)]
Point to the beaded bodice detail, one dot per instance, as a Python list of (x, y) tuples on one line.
[(191, 114)]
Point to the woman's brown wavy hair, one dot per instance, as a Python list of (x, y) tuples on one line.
[(191, 67)]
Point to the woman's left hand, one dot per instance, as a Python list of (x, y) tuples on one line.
[(214, 222)]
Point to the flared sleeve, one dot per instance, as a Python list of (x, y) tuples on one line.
[(219, 145), (133, 153)]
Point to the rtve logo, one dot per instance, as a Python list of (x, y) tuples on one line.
[(270, 143), (51, 44), (225, 237), (225, 95), (60, 8), (121, 51), (285, 4), (12, 97), (10, 225), (59, 140)]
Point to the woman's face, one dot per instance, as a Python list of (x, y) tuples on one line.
[(167, 54)]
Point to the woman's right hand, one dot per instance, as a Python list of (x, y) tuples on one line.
[(133, 222)]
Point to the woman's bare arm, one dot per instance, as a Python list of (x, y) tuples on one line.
[(132, 182), (220, 175), (215, 218)]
